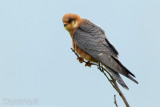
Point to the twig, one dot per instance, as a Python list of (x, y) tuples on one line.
[(111, 79), (116, 87), (115, 102)]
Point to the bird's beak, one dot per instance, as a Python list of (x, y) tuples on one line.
[(65, 24)]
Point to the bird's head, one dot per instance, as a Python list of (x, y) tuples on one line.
[(71, 21)]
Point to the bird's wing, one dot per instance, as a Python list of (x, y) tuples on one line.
[(98, 37), (91, 39)]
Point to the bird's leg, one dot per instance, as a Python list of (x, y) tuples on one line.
[(88, 64), (99, 66), (81, 60)]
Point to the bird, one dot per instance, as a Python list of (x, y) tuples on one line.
[(91, 44)]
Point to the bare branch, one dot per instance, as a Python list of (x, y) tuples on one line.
[(111, 80), (115, 102)]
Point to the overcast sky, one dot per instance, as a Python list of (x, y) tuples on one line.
[(36, 61)]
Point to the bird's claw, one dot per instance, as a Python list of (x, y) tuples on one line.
[(88, 64), (80, 59), (99, 67)]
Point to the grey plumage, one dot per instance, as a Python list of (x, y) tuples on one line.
[(118, 78), (92, 39)]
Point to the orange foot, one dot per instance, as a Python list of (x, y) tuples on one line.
[(88, 64), (80, 59)]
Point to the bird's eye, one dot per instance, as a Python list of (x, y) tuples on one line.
[(70, 20)]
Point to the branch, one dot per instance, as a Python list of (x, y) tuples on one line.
[(115, 102), (110, 79), (116, 87)]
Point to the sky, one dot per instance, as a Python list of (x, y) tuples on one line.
[(38, 66)]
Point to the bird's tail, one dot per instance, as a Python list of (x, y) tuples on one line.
[(126, 72), (118, 78)]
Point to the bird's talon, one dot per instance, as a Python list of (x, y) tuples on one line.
[(99, 68), (80, 59), (88, 64)]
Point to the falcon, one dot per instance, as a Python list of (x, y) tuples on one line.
[(91, 44)]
